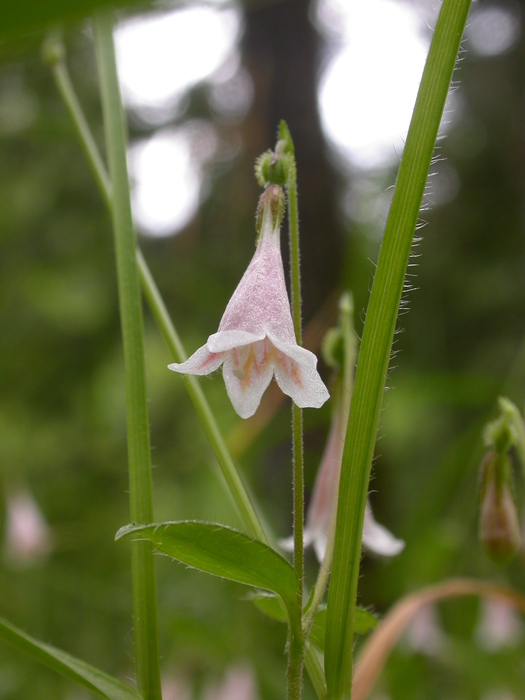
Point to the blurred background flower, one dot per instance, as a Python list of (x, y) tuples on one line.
[(27, 534)]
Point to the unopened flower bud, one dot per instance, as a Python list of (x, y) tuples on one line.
[(499, 528), (333, 344), (332, 348), (53, 50), (273, 197), (270, 169)]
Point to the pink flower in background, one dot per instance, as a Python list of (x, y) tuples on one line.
[(500, 626), (376, 538), (27, 536), (256, 338), (425, 633), (238, 684)]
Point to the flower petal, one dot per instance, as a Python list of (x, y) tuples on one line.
[(317, 537), (288, 543), (201, 362), (227, 340), (320, 545), (260, 302), (377, 538), (247, 372), (297, 376)]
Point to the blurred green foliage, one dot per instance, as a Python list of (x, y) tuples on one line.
[(62, 423)]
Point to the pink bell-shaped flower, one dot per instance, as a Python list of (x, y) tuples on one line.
[(376, 538), (256, 338)]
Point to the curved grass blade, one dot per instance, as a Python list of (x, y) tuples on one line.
[(67, 665), (375, 652)]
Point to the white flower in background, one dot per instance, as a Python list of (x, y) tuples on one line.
[(256, 338), (27, 535), (376, 538)]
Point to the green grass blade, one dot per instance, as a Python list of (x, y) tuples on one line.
[(70, 667), (130, 304), (377, 342)]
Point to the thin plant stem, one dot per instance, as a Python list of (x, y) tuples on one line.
[(54, 53), (343, 399), (296, 646), (315, 672), (145, 624), (514, 417)]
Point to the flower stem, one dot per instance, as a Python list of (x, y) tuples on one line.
[(296, 646), (343, 399), (54, 54), (140, 486)]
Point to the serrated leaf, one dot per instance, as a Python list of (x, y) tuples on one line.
[(70, 667), (364, 621), (222, 551)]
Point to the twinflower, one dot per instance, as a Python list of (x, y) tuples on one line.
[(340, 349), (376, 538), (256, 338)]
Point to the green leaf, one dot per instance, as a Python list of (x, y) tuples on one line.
[(22, 16), (364, 621), (70, 667), (269, 604), (145, 618), (222, 551)]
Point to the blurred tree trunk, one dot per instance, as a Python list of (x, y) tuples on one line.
[(281, 50)]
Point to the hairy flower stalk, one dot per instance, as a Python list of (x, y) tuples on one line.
[(256, 340)]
